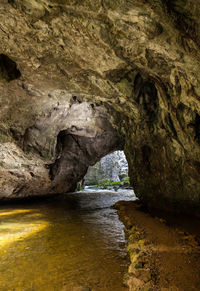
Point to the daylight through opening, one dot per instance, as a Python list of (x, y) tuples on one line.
[(110, 173)]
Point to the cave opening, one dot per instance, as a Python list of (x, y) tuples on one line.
[(8, 69), (85, 163), (77, 149), (110, 172)]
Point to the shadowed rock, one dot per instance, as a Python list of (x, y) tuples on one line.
[(8, 69)]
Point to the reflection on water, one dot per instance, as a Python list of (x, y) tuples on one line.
[(62, 243)]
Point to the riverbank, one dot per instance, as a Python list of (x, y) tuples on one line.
[(163, 256)]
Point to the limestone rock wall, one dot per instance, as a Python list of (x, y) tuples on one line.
[(112, 167), (123, 69)]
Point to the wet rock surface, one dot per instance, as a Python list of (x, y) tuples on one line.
[(130, 69)]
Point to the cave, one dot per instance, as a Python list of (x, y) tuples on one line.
[(81, 79), (83, 91)]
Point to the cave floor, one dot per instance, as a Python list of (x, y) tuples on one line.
[(164, 252)]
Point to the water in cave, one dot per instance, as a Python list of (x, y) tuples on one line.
[(70, 242)]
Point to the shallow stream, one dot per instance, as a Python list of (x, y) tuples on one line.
[(64, 243)]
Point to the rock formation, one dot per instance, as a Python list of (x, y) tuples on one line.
[(113, 167), (80, 79)]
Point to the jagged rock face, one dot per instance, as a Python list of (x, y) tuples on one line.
[(77, 154), (89, 68), (112, 167), (55, 152)]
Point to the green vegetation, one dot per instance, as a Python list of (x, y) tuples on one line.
[(107, 183), (126, 180)]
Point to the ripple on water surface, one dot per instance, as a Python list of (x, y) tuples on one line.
[(62, 243)]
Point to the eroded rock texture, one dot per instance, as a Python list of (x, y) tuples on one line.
[(94, 69)]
